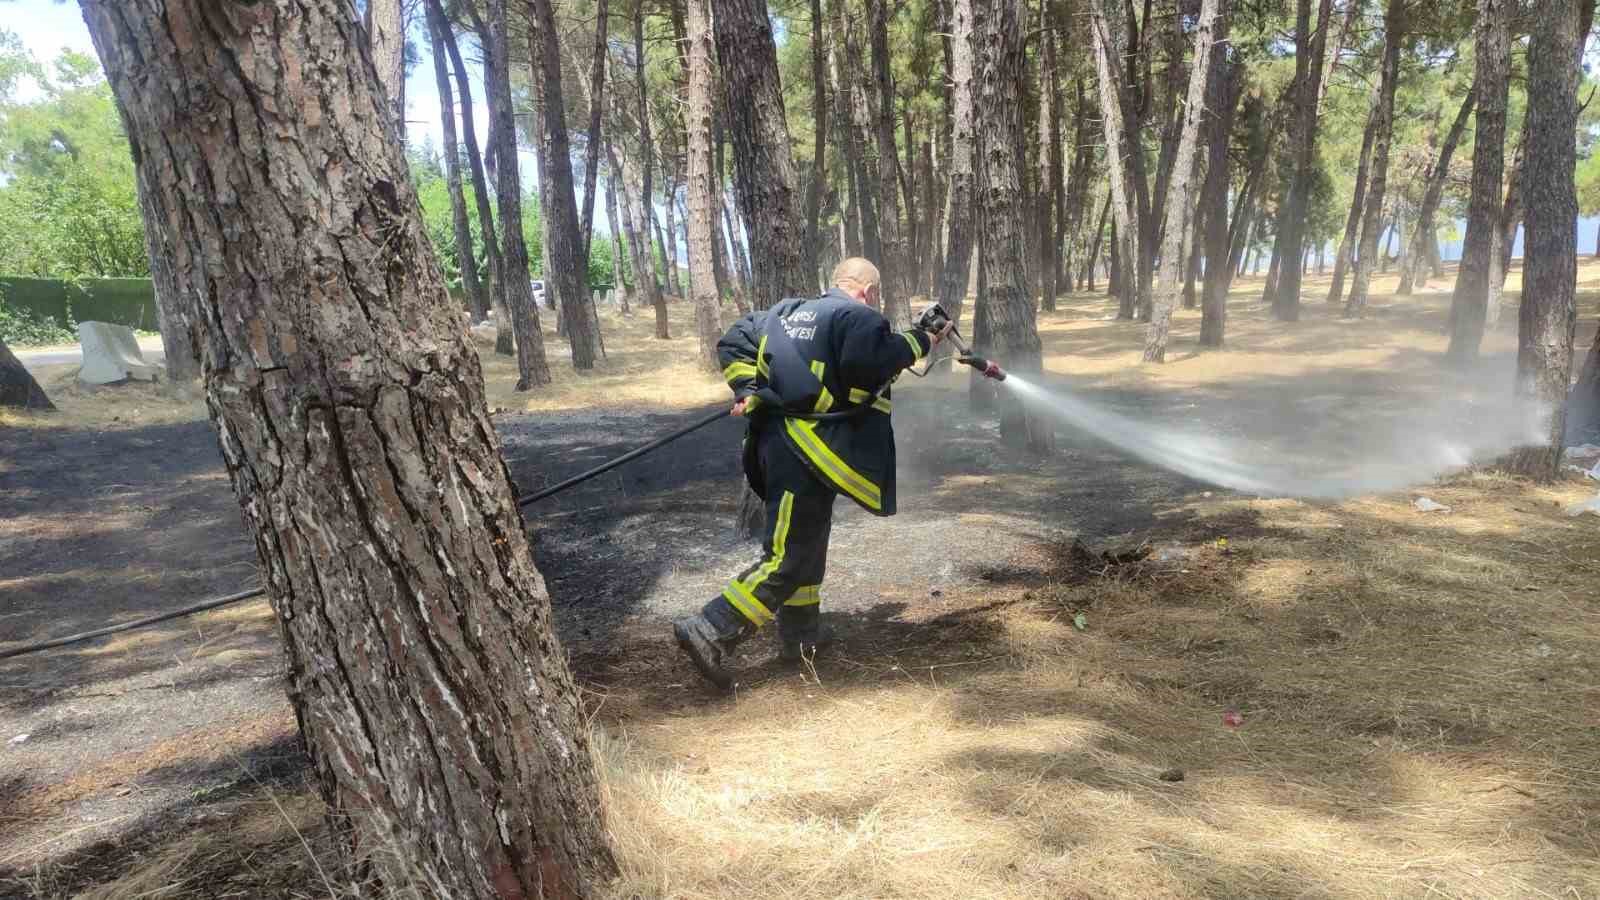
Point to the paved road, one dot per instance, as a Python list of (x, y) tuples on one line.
[(69, 354)]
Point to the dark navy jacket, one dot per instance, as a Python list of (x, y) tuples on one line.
[(827, 354)]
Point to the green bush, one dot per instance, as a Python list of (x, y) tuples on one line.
[(23, 328), (120, 301)]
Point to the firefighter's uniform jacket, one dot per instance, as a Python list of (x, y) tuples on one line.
[(830, 354)]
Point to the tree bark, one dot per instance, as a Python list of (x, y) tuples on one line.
[(596, 99), (621, 265), (480, 188), (1122, 150), (1372, 220), (1094, 251), (532, 368), (1286, 301), (741, 256), (960, 206), (386, 38), (465, 255), (18, 389), (1222, 100), (1170, 283), (702, 208), (819, 146), (1510, 219), (1423, 236), (568, 272), (1548, 314), (1049, 163), (431, 690), (645, 201), (1358, 205), (766, 182), (893, 262), (1077, 199), (1005, 319), (175, 317), (855, 125)]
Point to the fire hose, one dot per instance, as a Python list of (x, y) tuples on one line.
[(933, 319)]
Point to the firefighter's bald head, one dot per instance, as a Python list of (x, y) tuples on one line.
[(858, 277)]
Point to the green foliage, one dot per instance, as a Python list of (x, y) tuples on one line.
[(24, 328), (68, 204), (121, 301)]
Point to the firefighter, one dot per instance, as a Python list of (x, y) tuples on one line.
[(812, 378)]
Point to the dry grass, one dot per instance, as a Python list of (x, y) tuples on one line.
[(1418, 709)]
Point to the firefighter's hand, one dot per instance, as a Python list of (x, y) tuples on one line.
[(741, 408), (934, 337)]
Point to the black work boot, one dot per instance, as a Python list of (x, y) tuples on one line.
[(708, 639), (800, 633)]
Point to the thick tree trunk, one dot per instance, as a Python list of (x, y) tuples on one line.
[(1078, 185), (1089, 264), (766, 181), (386, 38), (621, 263), (1286, 299), (567, 274), (1510, 220), (532, 368), (596, 96), (480, 188), (1423, 235), (431, 690), (960, 203), (1222, 99), (1548, 315), (1122, 151), (174, 316), (1358, 205), (893, 262), (1191, 257), (644, 203), (1005, 320), (1170, 283), (1049, 166), (702, 218), (18, 389), (465, 255), (820, 122), (1372, 220)]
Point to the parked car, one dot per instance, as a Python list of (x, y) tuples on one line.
[(538, 294)]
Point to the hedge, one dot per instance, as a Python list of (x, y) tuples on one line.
[(121, 301)]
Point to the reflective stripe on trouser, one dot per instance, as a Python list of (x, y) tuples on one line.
[(795, 552)]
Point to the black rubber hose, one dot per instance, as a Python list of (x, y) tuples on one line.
[(136, 623)]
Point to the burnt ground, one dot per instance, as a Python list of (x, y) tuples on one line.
[(102, 739)]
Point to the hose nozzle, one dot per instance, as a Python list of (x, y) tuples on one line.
[(986, 368)]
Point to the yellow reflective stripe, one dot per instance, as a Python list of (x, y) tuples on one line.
[(847, 479), (916, 345), (746, 603), (739, 369), (780, 543), (761, 357), (825, 398), (810, 595), (882, 404)]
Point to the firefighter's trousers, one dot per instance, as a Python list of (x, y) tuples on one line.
[(784, 585)]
